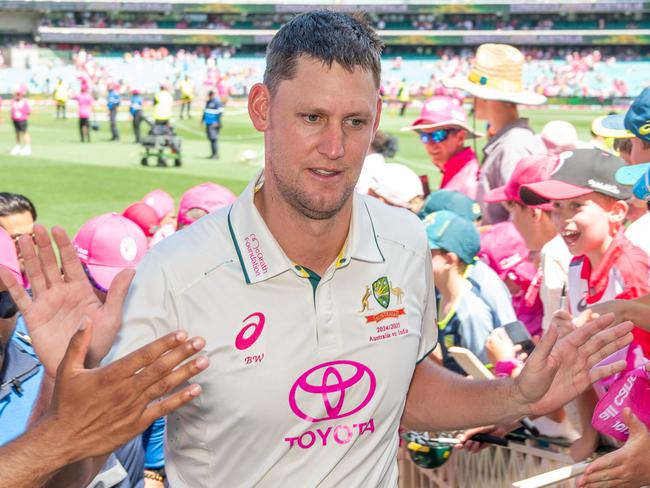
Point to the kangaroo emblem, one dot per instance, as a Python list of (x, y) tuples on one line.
[(365, 305)]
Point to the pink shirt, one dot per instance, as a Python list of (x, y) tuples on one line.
[(85, 102), (461, 173), (20, 109)]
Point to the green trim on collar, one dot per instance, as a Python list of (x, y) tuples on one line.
[(314, 278), (234, 241), (374, 233)]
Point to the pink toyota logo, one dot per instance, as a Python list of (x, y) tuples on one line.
[(341, 387)]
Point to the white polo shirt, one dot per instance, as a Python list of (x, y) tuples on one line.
[(308, 378)]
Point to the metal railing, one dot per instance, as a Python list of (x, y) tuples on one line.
[(494, 467)]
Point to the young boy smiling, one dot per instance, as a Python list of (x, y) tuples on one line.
[(589, 208)]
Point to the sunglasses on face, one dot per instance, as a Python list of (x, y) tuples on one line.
[(436, 136)]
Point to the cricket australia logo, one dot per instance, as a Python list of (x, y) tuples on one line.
[(381, 291)]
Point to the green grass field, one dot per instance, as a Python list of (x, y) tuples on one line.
[(70, 182)]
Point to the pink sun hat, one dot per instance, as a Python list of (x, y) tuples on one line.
[(439, 112), (206, 196), (161, 201), (8, 257), (107, 244)]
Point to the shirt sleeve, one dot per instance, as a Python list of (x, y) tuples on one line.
[(150, 309), (429, 337)]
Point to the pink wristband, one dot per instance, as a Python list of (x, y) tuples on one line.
[(503, 369)]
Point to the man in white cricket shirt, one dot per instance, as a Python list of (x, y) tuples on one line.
[(317, 304)]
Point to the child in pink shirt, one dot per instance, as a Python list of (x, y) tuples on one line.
[(20, 110), (85, 109)]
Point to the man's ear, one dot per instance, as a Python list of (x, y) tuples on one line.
[(536, 213), (618, 212), (259, 106)]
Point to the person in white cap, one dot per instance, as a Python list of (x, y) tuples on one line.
[(399, 186), (443, 128), (559, 136), (496, 83), (318, 303)]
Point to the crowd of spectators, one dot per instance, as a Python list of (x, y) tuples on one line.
[(380, 21)]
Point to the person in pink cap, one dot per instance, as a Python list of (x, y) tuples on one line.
[(443, 128), (20, 111), (201, 200), (85, 109), (164, 206), (143, 216), (161, 201), (535, 224), (504, 249), (106, 245)]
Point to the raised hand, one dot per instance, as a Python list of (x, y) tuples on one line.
[(559, 370), (97, 410), (61, 297)]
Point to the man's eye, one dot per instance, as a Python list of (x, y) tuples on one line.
[(356, 122), (312, 117)]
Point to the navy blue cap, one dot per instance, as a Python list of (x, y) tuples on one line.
[(453, 233), (454, 201), (637, 118)]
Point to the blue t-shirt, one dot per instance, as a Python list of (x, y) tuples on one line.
[(19, 384), (493, 291), (136, 104), (113, 99), (212, 112), (154, 444), (467, 325)]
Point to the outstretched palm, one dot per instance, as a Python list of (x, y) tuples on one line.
[(62, 298), (559, 370)]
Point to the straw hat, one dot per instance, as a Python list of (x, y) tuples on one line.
[(496, 74)]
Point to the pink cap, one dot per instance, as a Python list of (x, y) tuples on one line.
[(8, 257), (107, 244), (505, 251), (161, 201), (529, 169), (144, 216), (206, 196), (438, 112)]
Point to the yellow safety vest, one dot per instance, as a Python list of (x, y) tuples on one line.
[(60, 93), (163, 103)]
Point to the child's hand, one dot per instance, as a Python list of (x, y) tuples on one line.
[(499, 346), (563, 320)]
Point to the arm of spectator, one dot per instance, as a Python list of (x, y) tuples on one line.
[(60, 300), (470, 445), (626, 467), (126, 399), (636, 311)]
